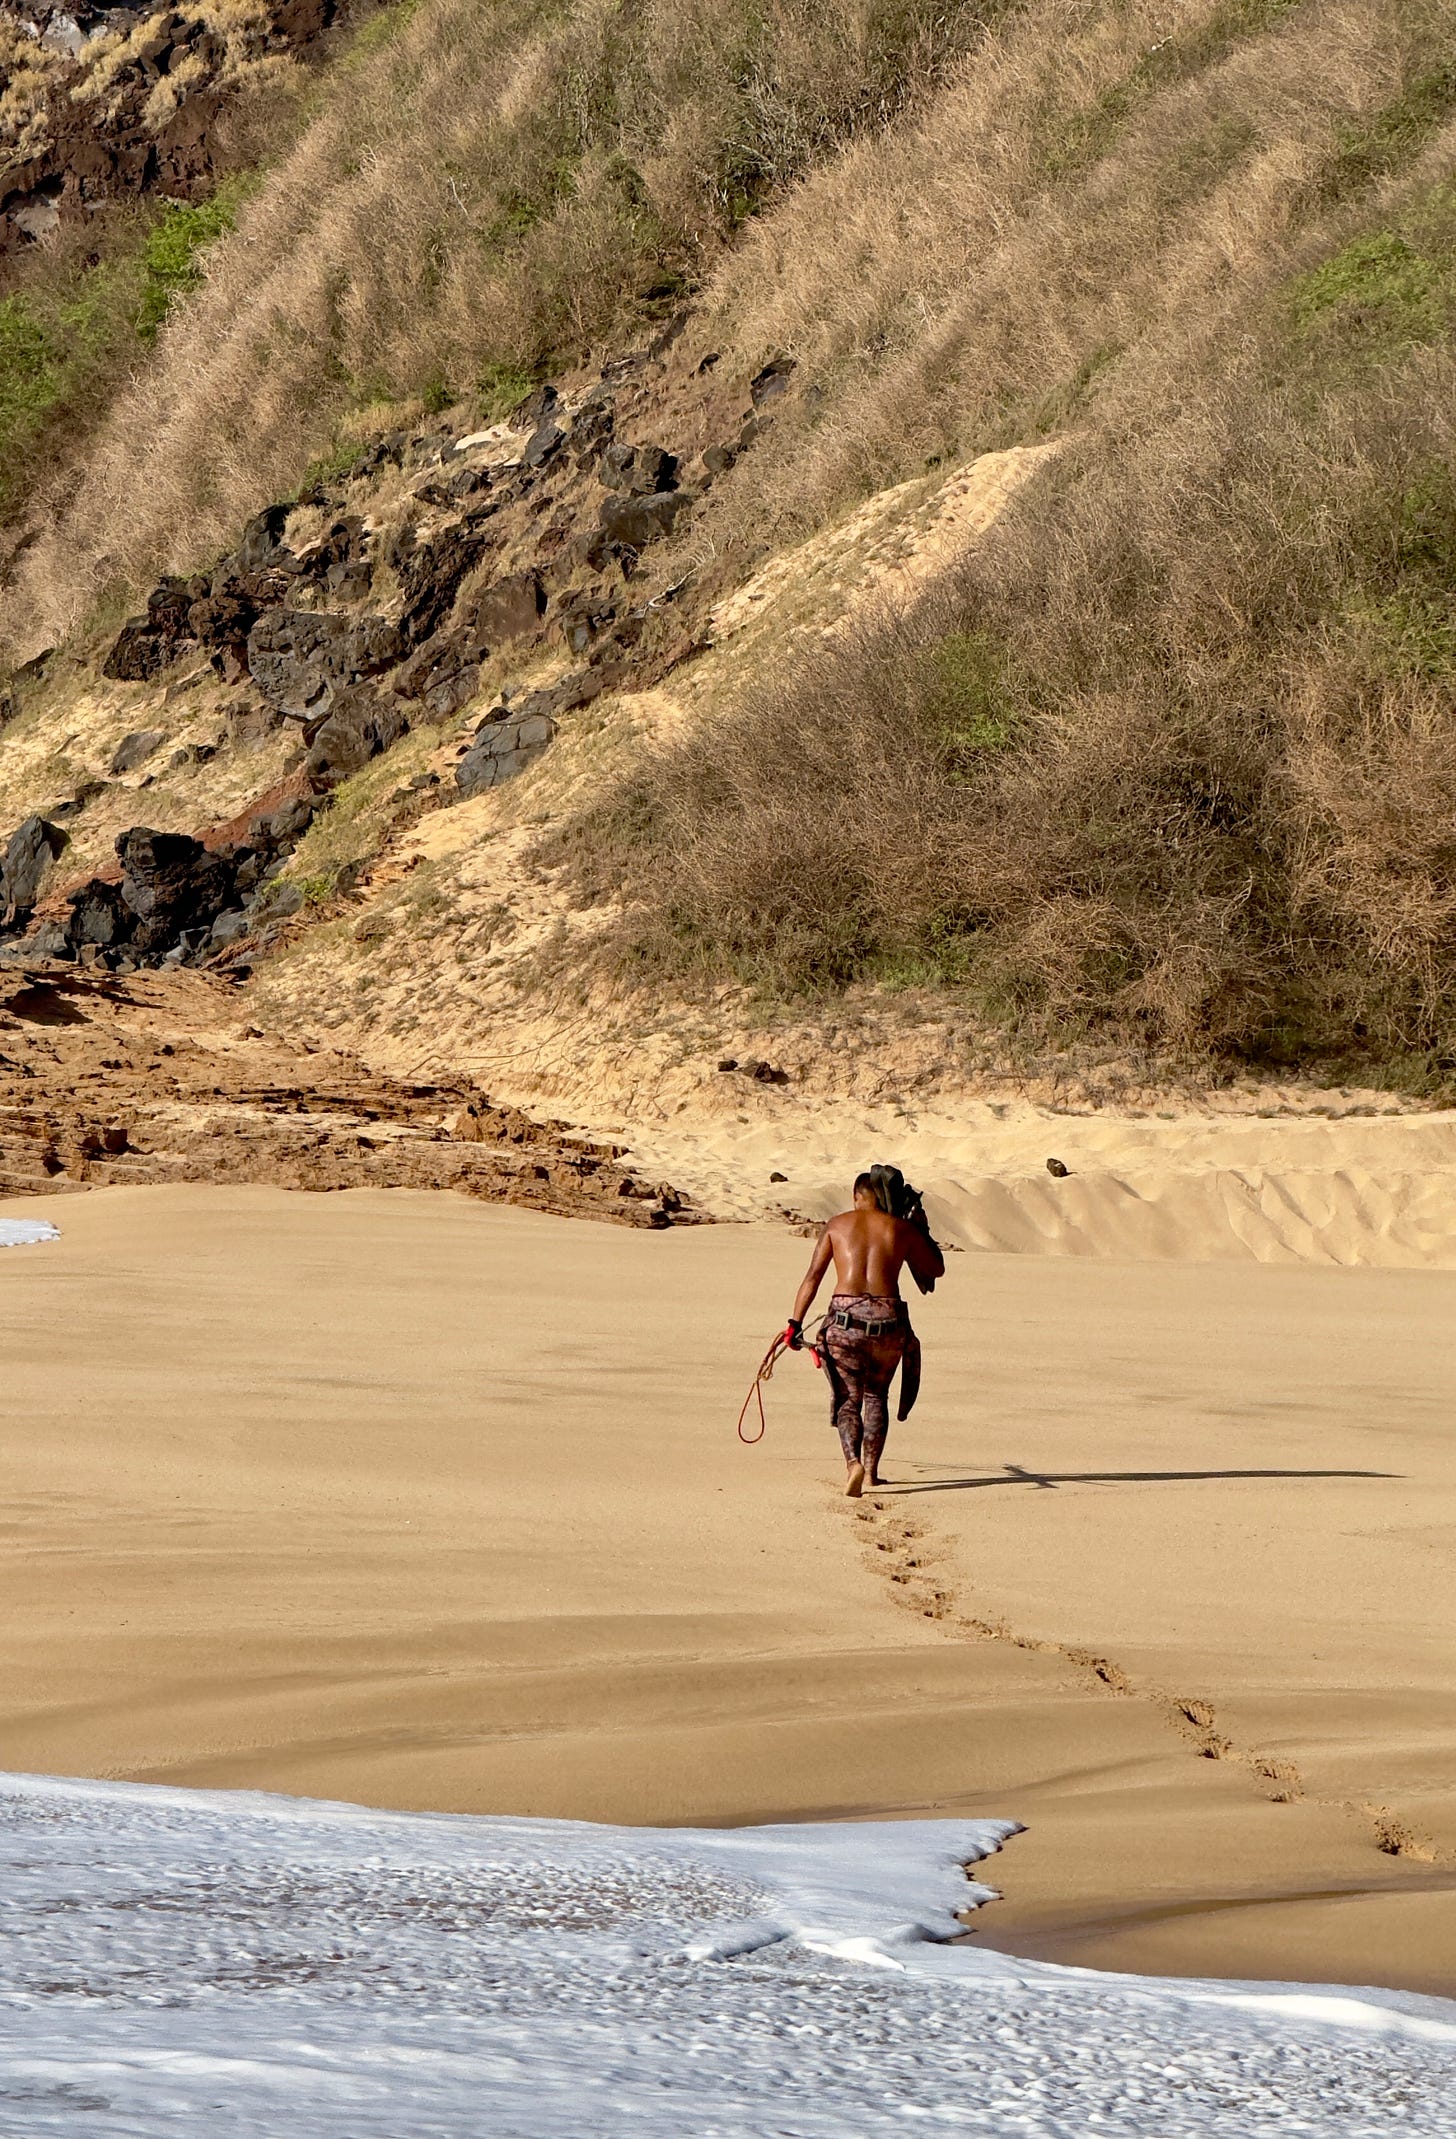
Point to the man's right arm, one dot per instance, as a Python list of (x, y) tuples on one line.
[(819, 1262)]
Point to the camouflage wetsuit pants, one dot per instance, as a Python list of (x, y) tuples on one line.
[(861, 1365)]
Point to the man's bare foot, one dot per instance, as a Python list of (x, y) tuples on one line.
[(872, 1480), (855, 1484)]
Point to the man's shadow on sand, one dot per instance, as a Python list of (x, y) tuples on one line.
[(1014, 1474)]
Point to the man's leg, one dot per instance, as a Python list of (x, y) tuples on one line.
[(876, 1431), (879, 1371), (845, 1400), (849, 1425)]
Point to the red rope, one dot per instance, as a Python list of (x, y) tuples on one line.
[(765, 1373)]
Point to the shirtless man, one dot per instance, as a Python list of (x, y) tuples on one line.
[(868, 1324)]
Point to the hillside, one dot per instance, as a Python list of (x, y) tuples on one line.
[(909, 548)]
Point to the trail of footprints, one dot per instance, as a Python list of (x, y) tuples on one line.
[(899, 1548)]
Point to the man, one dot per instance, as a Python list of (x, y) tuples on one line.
[(867, 1330)]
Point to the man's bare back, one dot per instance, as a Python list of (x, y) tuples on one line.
[(869, 1249)]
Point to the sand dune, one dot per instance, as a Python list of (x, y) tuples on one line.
[(1357, 1190), (396, 1497), (1349, 1217)]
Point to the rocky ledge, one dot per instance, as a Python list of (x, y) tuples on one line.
[(154, 1077), (370, 606)]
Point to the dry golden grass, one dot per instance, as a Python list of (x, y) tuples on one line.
[(482, 195), (1096, 178), (243, 26), (1178, 753), (28, 71)]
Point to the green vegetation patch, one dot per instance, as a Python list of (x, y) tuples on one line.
[(75, 326), (29, 370), (57, 340), (966, 702), (1372, 148), (1377, 286), (1402, 614), (499, 389), (171, 250)]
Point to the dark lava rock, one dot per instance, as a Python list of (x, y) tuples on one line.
[(360, 724), (99, 914), (501, 750), (641, 470), (229, 928), (286, 900), (444, 674), (171, 883), (300, 657), (281, 829), (585, 616), (32, 847), (544, 443), (191, 754), (654, 470), (772, 381), (339, 561), (591, 432), (614, 469), (85, 792), (262, 538), (135, 749), (146, 644), (430, 575), (49, 941), (633, 522), (508, 609), (137, 653), (539, 404), (384, 452), (222, 620)]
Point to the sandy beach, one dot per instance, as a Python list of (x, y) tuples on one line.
[(395, 1497)]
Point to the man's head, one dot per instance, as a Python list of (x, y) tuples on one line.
[(866, 1197)]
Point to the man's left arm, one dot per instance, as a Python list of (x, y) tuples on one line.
[(924, 1257)]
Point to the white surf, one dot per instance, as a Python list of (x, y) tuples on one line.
[(174, 1959)]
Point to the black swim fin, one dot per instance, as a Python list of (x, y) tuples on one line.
[(909, 1375)]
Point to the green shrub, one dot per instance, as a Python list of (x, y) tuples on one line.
[(964, 699), (170, 252), (1377, 285), (29, 372), (499, 388)]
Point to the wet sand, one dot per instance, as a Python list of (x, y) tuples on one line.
[(395, 1497)]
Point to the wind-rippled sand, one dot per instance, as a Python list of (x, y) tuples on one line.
[(398, 1498), (1352, 1186)]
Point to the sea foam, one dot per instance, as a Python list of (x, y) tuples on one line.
[(278, 1965)]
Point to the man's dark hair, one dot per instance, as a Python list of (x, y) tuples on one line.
[(862, 1182)]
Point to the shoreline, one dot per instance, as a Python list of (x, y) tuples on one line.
[(423, 1503)]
